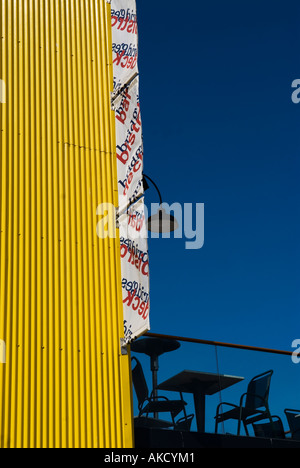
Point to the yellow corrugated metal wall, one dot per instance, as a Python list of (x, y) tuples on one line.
[(65, 382)]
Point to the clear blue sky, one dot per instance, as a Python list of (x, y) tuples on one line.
[(220, 128)]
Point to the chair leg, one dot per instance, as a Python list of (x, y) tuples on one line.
[(246, 429), (239, 427), (239, 423), (217, 422), (241, 420), (216, 427), (184, 410)]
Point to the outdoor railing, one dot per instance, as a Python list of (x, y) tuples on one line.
[(227, 359)]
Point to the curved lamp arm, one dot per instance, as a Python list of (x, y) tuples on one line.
[(160, 197), (124, 210)]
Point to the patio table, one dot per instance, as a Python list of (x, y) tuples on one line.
[(199, 384)]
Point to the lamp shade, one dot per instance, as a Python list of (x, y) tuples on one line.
[(162, 222)]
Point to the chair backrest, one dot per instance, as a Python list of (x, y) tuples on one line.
[(139, 382), (293, 419), (270, 429), (258, 391), (184, 424)]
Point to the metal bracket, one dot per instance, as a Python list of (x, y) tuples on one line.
[(117, 219), (123, 347)]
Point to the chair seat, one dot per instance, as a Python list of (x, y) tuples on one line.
[(248, 410), (273, 429), (184, 424), (244, 414), (173, 406), (154, 403), (293, 419)]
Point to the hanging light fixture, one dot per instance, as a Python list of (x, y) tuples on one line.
[(161, 221)]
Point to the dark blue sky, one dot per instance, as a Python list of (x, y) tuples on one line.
[(220, 128)]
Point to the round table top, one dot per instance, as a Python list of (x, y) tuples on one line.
[(154, 346)]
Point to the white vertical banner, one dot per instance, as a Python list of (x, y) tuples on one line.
[(135, 271), (125, 41), (129, 153), (129, 145)]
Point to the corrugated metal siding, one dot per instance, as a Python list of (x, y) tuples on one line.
[(65, 382)]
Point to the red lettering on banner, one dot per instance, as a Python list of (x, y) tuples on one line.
[(135, 258), (144, 310), (120, 113), (145, 269), (136, 222), (118, 58), (137, 165), (129, 298), (121, 22), (132, 27), (114, 20), (125, 25), (137, 304), (125, 61), (130, 140)]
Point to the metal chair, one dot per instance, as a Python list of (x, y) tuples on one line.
[(153, 404), (293, 419), (184, 424), (271, 429), (256, 405)]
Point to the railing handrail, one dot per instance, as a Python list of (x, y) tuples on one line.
[(219, 343)]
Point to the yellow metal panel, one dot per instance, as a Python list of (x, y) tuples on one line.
[(65, 382)]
